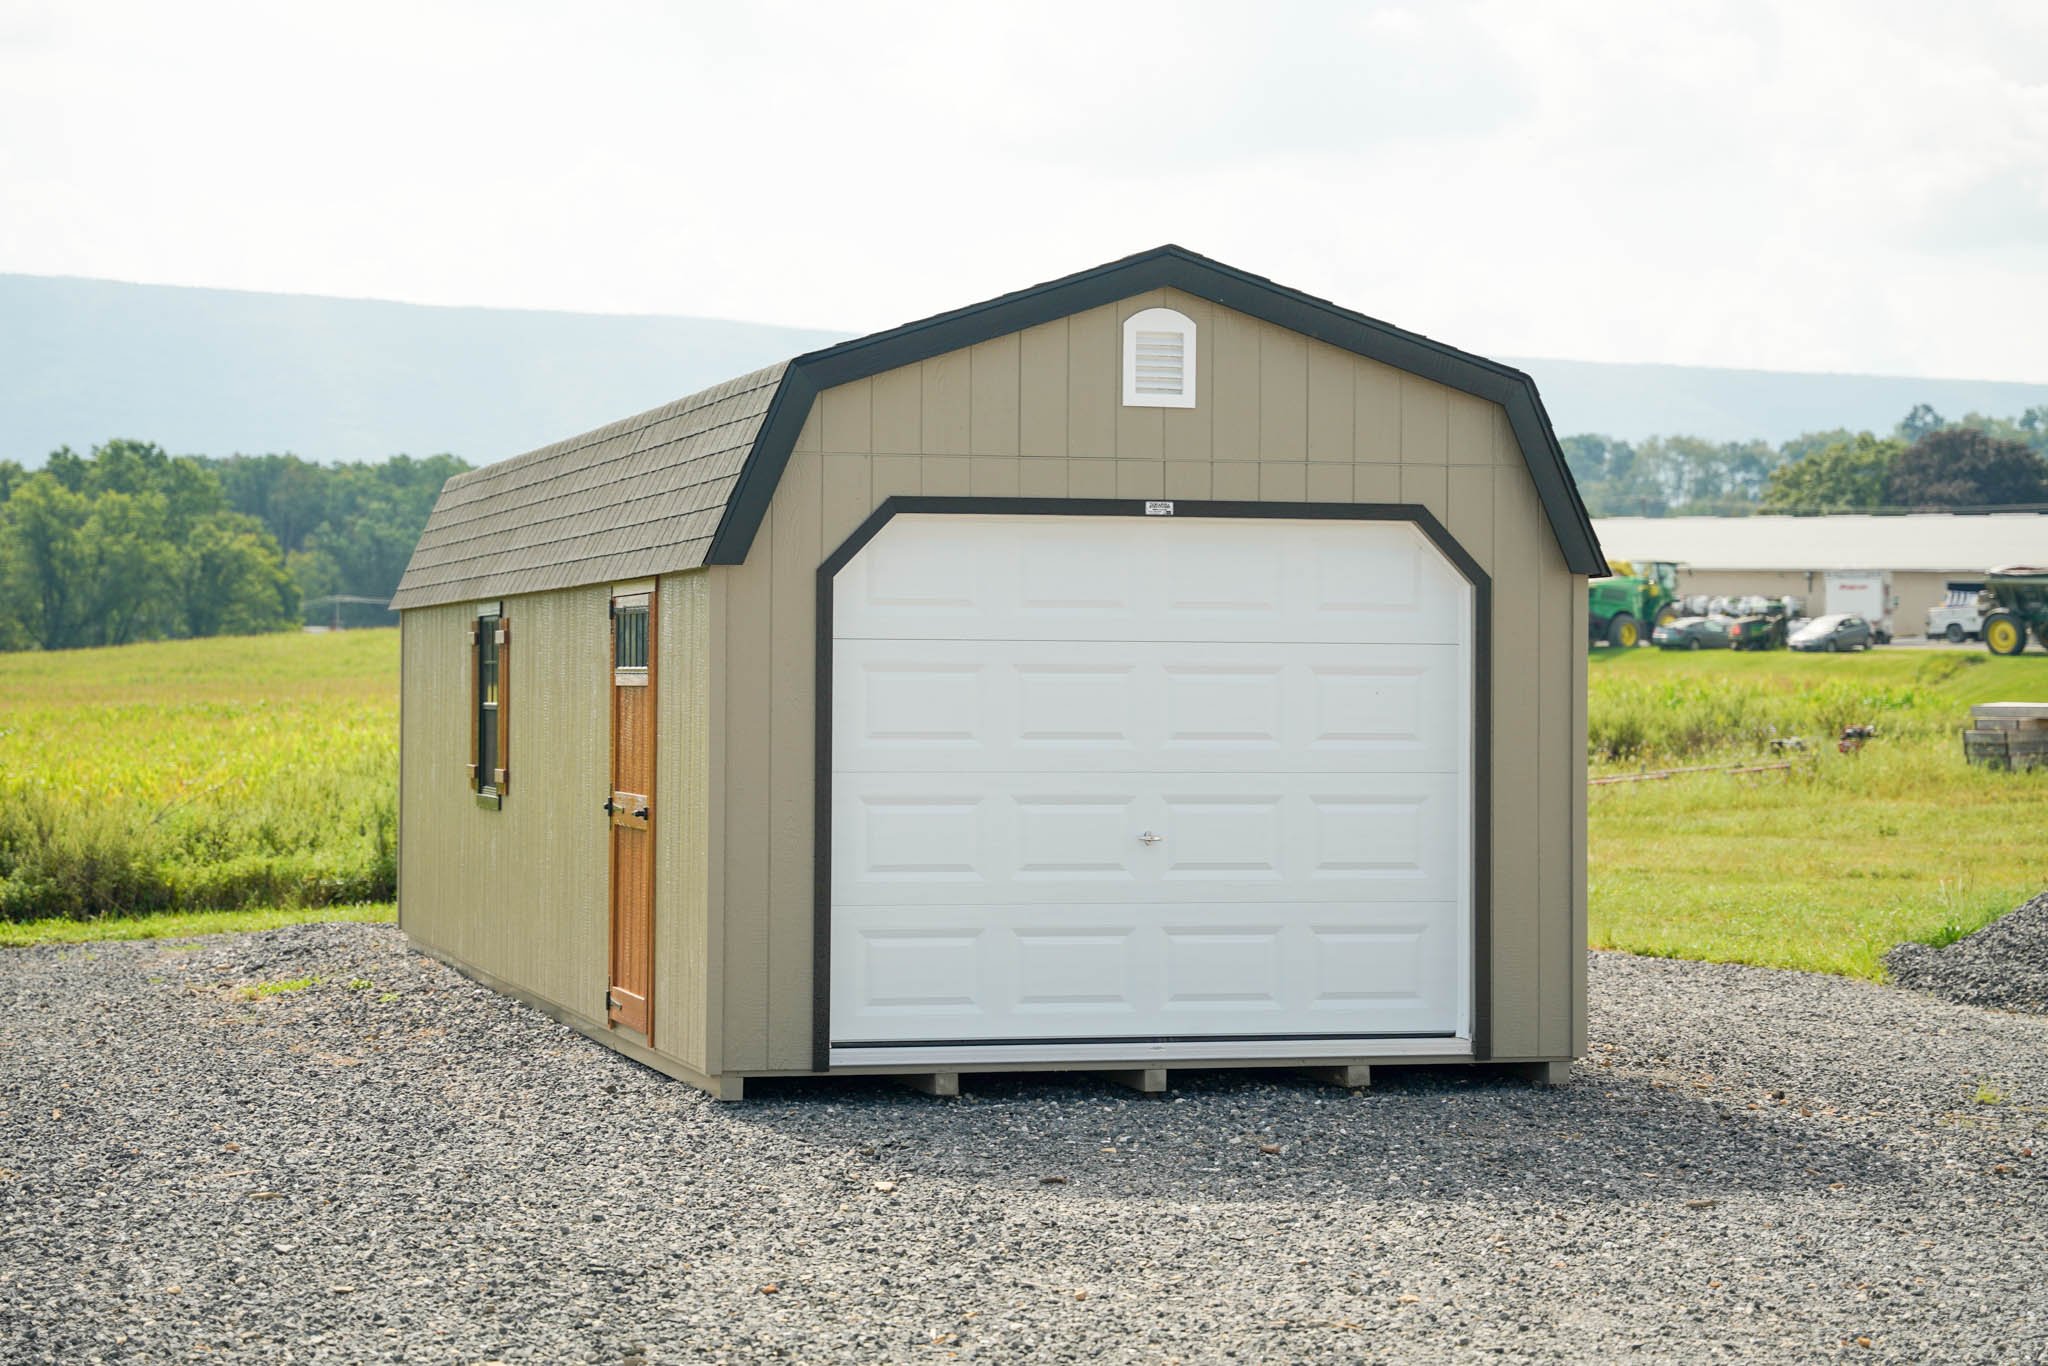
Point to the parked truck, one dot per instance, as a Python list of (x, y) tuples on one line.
[(1864, 593), (1960, 616), (1640, 596), (2015, 601)]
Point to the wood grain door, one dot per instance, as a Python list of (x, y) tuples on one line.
[(630, 1000)]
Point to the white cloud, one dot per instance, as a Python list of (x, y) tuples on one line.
[(1828, 185)]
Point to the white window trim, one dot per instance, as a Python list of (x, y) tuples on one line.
[(1159, 320)]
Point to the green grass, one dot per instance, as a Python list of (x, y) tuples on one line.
[(199, 775), (180, 924), (1828, 866)]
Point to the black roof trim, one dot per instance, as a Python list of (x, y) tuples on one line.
[(1162, 267)]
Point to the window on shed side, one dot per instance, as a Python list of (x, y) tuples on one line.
[(1159, 359), (490, 641)]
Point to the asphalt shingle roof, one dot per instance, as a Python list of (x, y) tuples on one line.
[(639, 496)]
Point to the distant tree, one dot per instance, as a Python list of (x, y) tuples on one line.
[(1921, 421), (1840, 476), (11, 474), (1965, 467), (132, 544), (231, 579), (1806, 443), (42, 560)]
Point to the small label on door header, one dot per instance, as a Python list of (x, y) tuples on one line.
[(1159, 509)]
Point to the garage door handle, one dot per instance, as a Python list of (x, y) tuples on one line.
[(1149, 838)]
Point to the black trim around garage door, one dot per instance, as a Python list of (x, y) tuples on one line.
[(1482, 709)]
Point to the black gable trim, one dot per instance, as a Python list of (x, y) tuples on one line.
[(1163, 267)]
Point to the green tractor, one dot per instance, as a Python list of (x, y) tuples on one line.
[(2014, 602), (1640, 597)]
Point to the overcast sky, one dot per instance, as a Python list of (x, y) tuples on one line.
[(1806, 185)]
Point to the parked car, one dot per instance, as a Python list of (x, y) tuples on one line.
[(1692, 633), (1835, 631)]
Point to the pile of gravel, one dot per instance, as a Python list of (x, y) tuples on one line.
[(204, 1155), (2003, 966)]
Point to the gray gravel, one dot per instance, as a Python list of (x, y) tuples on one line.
[(2004, 965), (393, 1163)]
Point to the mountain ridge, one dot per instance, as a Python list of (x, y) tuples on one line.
[(216, 371)]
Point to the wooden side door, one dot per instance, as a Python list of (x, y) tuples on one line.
[(630, 1000)]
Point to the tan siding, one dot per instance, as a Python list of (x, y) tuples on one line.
[(1268, 401), (1044, 479), (1517, 781), (899, 411), (1331, 381), (848, 412), (1329, 483), (994, 476), (1376, 396), (1235, 359), (1428, 485), (1425, 422), (1091, 479), (1376, 483), (1093, 383), (682, 870), (1140, 478), (1282, 482), (1042, 387), (792, 767), (1469, 422), (947, 397), (1191, 432), (749, 605), (522, 892), (1188, 479), (993, 416), (1554, 808), (1283, 395)]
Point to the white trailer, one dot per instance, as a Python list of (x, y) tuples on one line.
[(1867, 594)]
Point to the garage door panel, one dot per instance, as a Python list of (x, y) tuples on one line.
[(1165, 969), (992, 838), (1159, 778), (904, 706), (1221, 579)]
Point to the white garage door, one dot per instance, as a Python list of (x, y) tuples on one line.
[(1102, 786)]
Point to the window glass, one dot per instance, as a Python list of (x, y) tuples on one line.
[(629, 638)]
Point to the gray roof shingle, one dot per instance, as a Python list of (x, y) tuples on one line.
[(635, 497)]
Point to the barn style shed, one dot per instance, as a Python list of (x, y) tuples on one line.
[(1154, 668)]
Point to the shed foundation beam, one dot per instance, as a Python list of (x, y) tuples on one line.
[(1150, 1081), (932, 1083), (1543, 1073), (1352, 1077)]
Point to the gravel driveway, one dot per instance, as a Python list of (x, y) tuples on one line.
[(393, 1163)]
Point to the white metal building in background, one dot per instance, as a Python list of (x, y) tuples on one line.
[(1924, 552)]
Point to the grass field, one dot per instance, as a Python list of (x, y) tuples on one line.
[(199, 776), (1831, 864)]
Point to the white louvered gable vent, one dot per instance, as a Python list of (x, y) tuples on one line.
[(1159, 359)]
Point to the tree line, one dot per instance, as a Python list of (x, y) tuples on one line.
[(1926, 462), (130, 543)]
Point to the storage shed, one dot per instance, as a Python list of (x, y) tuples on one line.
[(1154, 668)]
